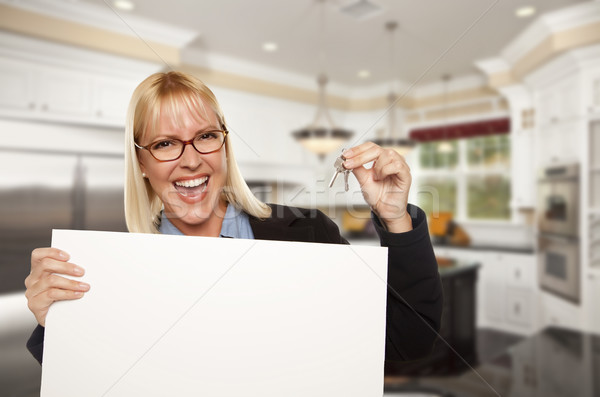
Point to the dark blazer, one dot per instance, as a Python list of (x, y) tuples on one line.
[(414, 300)]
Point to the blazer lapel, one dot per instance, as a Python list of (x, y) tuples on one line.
[(281, 228)]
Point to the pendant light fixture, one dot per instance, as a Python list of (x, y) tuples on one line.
[(322, 136), (394, 139)]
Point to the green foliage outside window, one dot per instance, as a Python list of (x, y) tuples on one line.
[(488, 197), (488, 193), (488, 151), (436, 195), (431, 156)]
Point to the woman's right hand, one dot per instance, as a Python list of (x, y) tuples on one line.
[(45, 285)]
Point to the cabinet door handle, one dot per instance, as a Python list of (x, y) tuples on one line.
[(517, 308), (517, 274)]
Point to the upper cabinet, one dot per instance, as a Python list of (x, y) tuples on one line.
[(47, 81), (111, 99), (559, 102), (44, 92), (16, 95), (591, 92)]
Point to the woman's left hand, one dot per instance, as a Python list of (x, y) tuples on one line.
[(385, 185)]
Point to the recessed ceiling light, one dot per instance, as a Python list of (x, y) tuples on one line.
[(524, 12), (124, 5), (270, 46), (364, 74)]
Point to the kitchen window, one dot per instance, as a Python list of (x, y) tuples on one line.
[(468, 177)]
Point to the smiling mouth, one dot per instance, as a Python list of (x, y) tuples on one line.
[(191, 187)]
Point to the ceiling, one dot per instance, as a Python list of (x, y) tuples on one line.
[(434, 37)]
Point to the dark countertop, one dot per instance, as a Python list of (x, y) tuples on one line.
[(498, 248), (452, 267), (555, 362)]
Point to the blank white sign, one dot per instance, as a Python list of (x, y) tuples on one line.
[(199, 316)]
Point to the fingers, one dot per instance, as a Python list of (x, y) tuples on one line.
[(386, 161), (41, 303), (361, 174), (51, 260), (391, 166), (361, 154), (48, 252), (55, 282), (45, 284)]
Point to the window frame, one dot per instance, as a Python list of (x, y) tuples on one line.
[(461, 174)]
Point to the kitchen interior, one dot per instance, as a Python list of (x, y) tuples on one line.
[(495, 108)]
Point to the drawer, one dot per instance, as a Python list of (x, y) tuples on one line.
[(519, 307), (558, 313), (521, 275)]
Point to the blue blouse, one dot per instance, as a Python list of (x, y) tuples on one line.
[(236, 224)]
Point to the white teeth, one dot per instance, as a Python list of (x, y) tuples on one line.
[(192, 182)]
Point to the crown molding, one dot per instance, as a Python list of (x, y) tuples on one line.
[(228, 64), (462, 83), (547, 25), (107, 18), (564, 65), (492, 66), (19, 47)]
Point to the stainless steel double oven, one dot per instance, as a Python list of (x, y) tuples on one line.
[(558, 228)]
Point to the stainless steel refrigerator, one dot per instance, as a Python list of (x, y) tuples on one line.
[(43, 190)]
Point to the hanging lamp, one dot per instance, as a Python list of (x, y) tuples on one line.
[(394, 139), (322, 136)]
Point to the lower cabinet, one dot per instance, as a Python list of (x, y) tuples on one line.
[(506, 297), (519, 308), (593, 297), (508, 289)]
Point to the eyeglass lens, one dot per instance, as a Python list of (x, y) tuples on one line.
[(170, 149)]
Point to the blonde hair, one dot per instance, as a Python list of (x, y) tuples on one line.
[(173, 92)]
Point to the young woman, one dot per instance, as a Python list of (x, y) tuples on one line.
[(182, 178)]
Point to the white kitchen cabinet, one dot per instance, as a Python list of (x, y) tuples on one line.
[(559, 143), (559, 102), (523, 169), (591, 92), (556, 311), (593, 299), (16, 80), (111, 99), (519, 307), (62, 94), (45, 92), (493, 286), (506, 288)]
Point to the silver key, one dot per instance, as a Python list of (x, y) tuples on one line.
[(346, 175), (339, 168)]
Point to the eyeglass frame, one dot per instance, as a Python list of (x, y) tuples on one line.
[(225, 132)]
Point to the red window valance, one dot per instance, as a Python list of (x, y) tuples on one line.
[(462, 130)]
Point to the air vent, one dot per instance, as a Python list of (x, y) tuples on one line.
[(361, 9)]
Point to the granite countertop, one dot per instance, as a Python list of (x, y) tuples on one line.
[(487, 247), (451, 267)]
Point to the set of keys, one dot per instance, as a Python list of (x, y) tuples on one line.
[(339, 168)]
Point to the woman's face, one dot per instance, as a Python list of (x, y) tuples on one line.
[(189, 187)]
